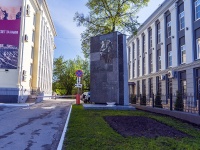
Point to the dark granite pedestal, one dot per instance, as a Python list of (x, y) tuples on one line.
[(108, 69)]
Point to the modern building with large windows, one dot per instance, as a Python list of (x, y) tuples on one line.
[(26, 49), (164, 56)]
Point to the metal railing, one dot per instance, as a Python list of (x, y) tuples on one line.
[(174, 102)]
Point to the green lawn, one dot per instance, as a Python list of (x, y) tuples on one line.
[(87, 130)]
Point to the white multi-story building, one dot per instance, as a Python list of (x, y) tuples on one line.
[(32, 69), (164, 56)]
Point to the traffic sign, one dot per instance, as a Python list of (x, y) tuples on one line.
[(78, 85), (79, 73)]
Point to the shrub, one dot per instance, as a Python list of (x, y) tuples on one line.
[(179, 102), (158, 101), (143, 99), (133, 99)]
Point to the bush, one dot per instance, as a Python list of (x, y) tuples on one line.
[(133, 99), (143, 100), (158, 101), (179, 102)]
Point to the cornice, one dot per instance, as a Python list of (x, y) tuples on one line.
[(44, 3), (194, 64)]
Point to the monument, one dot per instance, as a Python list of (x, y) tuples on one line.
[(108, 69)]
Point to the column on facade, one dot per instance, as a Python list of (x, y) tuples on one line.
[(163, 49), (189, 31), (146, 53), (36, 51), (153, 27), (131, 60), (136, 58), (174, 36), (190, 81)]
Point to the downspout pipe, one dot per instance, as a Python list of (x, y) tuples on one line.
[(22, 48)]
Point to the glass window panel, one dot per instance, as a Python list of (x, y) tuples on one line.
[(198, 48)]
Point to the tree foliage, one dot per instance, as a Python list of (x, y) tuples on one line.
[(64, 77), (158, 101), (179, 101), (107, 16)]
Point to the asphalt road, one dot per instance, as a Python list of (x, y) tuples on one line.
[(37, 127)]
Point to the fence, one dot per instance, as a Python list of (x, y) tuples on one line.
[(179, 102)]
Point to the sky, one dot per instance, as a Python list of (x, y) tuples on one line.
[(68, 37)]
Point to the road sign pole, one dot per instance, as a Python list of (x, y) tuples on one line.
[(79, 74)]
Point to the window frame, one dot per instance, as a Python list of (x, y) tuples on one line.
[(159, 59), (151, 62), (198, 48), (169, 29), (169, 55), (138, 67), (158, 33), (183, 49), (182, 20), (144, 65), (197, 4)]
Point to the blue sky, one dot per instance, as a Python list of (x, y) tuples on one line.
[(68, 42)]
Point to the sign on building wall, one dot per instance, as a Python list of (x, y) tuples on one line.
[(10, 17)]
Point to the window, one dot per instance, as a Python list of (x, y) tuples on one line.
[(183, 82), (197, 10), (33, 36), (150, 39), (31, 69), (183, 54), (129, 54), (144, 43), (169, 87), (169, 29), (32, 52), (138, 88), (182, 20), (197, 79), (151, 87), (133, 48), (198, 48), (158, 33), (159, 59), (144, 87), (159, 85), (138, 67), (144, 66), (138, 48), (169, 58), (34, 17), (151, 63)]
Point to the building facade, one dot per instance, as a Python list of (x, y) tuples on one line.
[(28, 70), (164, 56)]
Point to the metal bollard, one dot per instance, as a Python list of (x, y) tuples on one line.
[(77, 99), (170, 101)]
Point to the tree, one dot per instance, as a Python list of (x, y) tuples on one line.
[(64, 77), (179, 102), (158, 101), (107, 16)]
